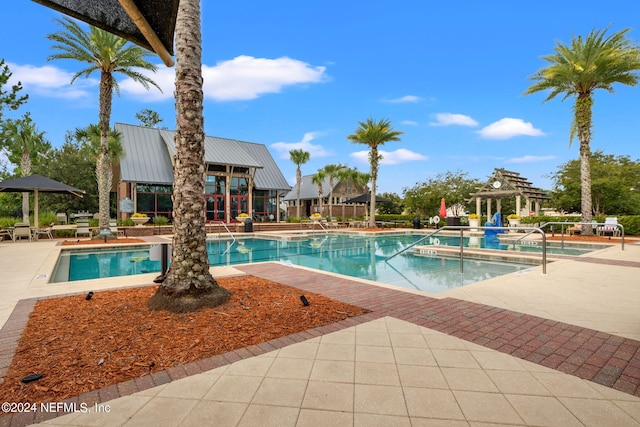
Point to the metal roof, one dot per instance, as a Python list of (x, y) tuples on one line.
[(269, 177), (309, 190), (148, 154), (219, 151), (146, 159)]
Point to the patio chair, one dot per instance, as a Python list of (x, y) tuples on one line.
[(45, 231), (83, 228), (61, 217), (610, 226), (113, 226), (575, 229), (22, 230)]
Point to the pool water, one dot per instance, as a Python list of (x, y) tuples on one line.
[(361, 256)]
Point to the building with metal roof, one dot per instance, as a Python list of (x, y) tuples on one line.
[(241, 177)]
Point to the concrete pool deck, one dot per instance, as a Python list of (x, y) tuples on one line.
[(529, 342)]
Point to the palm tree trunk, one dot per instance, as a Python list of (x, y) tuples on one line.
[(103, 165), (189, 274), (298, 183), (583, 122), (374, 177)]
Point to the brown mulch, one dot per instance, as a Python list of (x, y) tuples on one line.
[(102, 242), (79, 345)]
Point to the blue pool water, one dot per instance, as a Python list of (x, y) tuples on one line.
[(360, 256)]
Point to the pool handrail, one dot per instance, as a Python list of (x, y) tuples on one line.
[(563, 223), (228, 231), (465, 227)]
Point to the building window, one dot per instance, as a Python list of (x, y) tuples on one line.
[(239, 186), (265, 206), (154, 200)]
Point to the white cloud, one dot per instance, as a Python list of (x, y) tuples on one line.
[(398, 156), (403, 99), (508, 128), (409, 123), (246, 77), (530, 159), (52, 81), (305, 144), (241, 78), (448, 119)]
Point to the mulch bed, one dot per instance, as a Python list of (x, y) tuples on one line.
[(80, 345)]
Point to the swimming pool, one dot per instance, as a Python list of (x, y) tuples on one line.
[(362, 256)]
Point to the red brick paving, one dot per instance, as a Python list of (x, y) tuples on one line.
[(596, 356)]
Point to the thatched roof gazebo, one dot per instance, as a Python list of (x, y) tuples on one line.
[(504, 184)]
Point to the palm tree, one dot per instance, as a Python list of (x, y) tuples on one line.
[(299, 157), (332, 171), (594, 62), (23, 142), (374, 134), (189, 285), (108, 54), (318, 178)]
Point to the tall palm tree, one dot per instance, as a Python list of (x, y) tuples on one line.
[(332, 171), (23, 141), (596, 61), (109, 55), (318, 178), (188, 284), (374, 134), (299, 157)]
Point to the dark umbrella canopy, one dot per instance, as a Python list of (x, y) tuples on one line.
[(38, 182), (366, 198), (34, 184)]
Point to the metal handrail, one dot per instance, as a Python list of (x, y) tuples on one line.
[(563, 223), (224, 224), (462, 228)]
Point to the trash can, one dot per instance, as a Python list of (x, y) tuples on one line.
[(416, 222), (248, 225)]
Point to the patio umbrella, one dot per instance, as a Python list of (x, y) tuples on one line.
[(35, 184), (366, 198), (443, 209)]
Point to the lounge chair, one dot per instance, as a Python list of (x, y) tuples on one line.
[(83, 228), (113, 226), (610, 226), (22, 230), (45, 231)]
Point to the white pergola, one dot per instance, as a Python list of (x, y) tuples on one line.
[(504, 184)]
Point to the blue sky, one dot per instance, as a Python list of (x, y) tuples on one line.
[(292, 74)]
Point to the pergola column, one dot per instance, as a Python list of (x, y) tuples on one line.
[(518, 208), (528, 205), (488, 209), (499, 205), (478, 206)]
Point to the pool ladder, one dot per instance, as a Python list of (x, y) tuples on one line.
[(463, 228)]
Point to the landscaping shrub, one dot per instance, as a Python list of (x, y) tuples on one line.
[(160, 220)]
